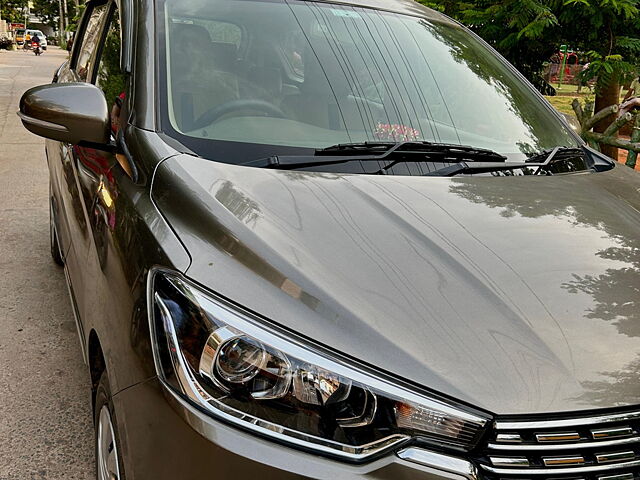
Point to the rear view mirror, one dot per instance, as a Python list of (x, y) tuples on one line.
[(75, 113)]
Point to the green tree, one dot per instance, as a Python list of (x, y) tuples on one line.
[(609, 30), (47, 10), (13, 10)]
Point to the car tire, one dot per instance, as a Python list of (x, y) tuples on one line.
[(53, 238), (107, 443)]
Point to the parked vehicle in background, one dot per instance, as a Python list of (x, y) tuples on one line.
[(19, 36), (5, 42), (336, 240)]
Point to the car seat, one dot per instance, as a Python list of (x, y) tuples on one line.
[(202, 74)]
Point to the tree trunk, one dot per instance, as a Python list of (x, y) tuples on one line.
[(61, 25), (607, 94)]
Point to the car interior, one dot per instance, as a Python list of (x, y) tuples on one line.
[(278, 75)]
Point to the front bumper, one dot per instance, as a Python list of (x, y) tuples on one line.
[(163, 438)]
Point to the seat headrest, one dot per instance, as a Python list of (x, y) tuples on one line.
[(189, 33)]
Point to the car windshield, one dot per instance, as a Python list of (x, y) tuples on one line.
[(242, 79)]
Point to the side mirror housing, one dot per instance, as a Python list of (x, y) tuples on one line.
[(75, 113)]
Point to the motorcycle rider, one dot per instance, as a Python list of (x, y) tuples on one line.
[(35, 41)]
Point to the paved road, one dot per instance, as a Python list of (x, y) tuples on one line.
[(46, 430)]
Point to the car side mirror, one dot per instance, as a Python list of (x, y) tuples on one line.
[(75, 113)]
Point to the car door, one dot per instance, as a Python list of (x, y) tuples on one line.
[(75, 170), (97, 170), (113, 287)]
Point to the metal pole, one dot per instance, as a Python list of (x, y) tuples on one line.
[(564, 49)]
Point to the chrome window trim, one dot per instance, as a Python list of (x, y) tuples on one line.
[(567, 422)]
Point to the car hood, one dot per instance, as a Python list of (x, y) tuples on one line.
[(514, 294)]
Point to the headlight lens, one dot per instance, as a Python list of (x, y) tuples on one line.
[(243, 370)]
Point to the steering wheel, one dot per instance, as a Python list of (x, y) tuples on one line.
[(213, 114)]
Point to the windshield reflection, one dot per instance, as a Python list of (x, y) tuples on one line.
[(310, 75)]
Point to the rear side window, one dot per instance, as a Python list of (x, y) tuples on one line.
[(90, 42), (109, 77), (224, 32)]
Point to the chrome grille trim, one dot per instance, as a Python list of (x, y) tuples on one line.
[(553, 472), (611, 432), (509, 461), (622, 476), (615, 457), (568, 422), (558, 437), (562, 461), (509, 438), (594, 447), (560, 446)]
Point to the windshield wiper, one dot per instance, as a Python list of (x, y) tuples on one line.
[(549, 156), (381, 148), (400, 152)]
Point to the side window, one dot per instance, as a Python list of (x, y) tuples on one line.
[(90, 42), (109, 77)]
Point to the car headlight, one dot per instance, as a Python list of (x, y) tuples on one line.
[(247, 371)]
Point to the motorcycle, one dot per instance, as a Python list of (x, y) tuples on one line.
[(36, 48)]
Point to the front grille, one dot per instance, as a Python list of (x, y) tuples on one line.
[(603, 447)]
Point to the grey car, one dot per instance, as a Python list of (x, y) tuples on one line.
[(336, 240)]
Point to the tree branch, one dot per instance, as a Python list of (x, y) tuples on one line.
[(615, 142), (601, 115), (619, 122)]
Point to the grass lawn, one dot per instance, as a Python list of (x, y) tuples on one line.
[(566, 94), (562, 104)]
